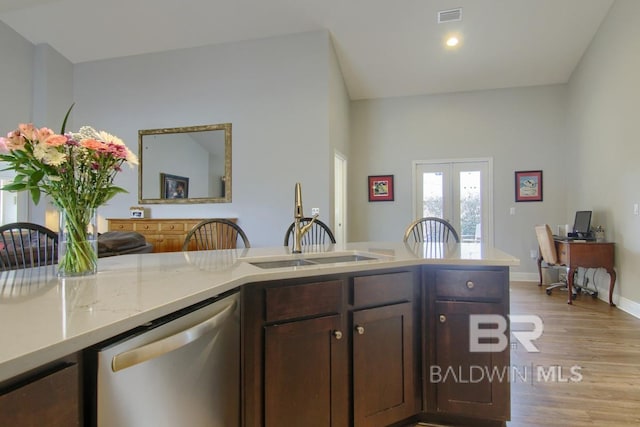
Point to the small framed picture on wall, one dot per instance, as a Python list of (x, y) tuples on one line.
[(528, 186), (380, 188)]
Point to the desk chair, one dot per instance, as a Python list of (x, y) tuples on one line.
[(27, 245), (215, 233), (431, 229), (549, 255), (318, 234)]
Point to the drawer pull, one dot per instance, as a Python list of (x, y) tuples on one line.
[(360, 330), (443, 318), (470, 284), (337, 334)]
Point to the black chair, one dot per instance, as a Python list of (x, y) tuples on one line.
[(431, 229), (215, 233), (318, 234), (26, 245)]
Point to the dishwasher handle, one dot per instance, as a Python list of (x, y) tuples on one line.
[(165, 345)]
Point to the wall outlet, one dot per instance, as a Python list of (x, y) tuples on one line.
[(512, 211), (636, 210), (533, 253), (315, 211)]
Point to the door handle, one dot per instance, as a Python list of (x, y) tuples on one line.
[(162, 346)]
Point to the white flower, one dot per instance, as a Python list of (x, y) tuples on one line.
[(49, 155)]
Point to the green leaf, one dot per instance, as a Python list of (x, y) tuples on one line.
[(64, 122), (15, 186), (36, 177), (35, 195)]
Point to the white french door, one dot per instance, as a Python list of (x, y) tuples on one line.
[(459, 191), (340, 198)]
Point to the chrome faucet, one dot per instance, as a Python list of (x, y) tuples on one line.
[(298, 229)]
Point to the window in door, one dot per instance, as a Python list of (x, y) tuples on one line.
[(459, 191)]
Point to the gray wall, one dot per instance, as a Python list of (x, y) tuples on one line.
[(274, 92), (521, 129), (605, 147), (290, 111)]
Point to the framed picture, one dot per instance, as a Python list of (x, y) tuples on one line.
[(528, 186), (380, 188), (174, 186)]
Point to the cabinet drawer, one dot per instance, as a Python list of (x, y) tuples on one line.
[(120, 226), (312, 299), (178, 226), (382, 288), (475, 284), (143, 227)]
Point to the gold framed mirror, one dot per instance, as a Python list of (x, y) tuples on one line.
[(185, 165)]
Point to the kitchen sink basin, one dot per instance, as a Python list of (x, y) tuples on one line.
[(282, 263), (343, 258), (309, 260)]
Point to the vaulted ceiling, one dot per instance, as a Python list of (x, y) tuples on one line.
[(385, 47)]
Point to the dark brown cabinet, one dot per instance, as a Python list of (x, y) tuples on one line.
[(304, 373), (49, 397), (383, 365), (335, 351), (461, 379)]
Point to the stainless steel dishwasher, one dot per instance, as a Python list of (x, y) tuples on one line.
[(182, 370)]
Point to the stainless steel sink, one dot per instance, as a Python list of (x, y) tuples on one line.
[(298, 262), (343, 258), (282, 263)]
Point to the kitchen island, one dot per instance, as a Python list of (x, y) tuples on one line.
[(44, 318)]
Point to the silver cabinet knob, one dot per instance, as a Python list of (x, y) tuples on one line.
[(470, 284), (443, 318), (337, 334), (360, 330)]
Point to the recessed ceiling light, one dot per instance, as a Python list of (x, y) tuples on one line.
[(452, 41)]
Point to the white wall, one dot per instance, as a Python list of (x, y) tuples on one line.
[(16, 79), (605, 145), (339, 118), (273, 91), (521, 129)]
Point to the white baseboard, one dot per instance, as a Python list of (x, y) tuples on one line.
[(524, 277), (624, 304), (631, 307)]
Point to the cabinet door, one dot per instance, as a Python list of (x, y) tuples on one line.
[(384, 380), (468, 382), (53, 400), (305, 373)]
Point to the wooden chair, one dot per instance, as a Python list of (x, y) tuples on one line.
[(215, 233), (549, 255), (431, 229), (27, 245), (318, 234)]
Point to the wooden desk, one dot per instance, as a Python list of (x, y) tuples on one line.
[(587, 255)]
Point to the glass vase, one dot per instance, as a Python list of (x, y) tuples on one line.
[(78, 242)]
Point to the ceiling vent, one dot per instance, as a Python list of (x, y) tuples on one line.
[(450, 15)]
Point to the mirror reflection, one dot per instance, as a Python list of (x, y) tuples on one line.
[(185, 165)]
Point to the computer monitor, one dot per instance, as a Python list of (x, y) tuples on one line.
[(582, 223)]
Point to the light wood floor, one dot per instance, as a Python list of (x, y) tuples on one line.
[(602, 342)]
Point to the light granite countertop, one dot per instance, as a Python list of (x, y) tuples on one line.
[(43, 317)]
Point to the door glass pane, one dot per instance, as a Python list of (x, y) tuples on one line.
[(470, 212), (432, 194)]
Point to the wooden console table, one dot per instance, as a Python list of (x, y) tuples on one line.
[(576, 254), (166, 235)]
